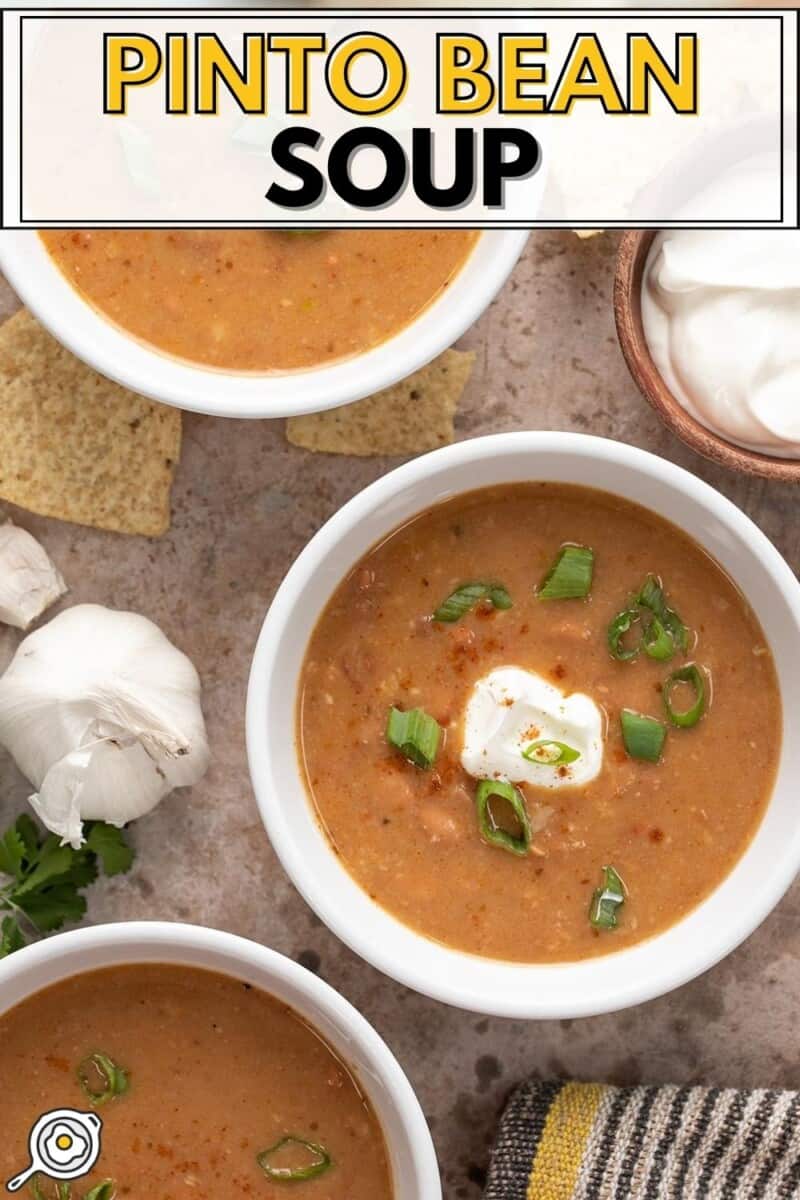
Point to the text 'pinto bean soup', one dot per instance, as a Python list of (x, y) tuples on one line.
[(207, 1088), (260, 300), (539, 723)]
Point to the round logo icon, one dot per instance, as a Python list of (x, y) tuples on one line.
[(64, 1144)]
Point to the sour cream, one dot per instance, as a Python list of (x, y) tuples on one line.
[(721, 314), (511, 708)]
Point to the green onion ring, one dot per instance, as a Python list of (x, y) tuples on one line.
[(415, 734), (692, 674), (490, 830), (115, 1078), (621, 624), (60, 1191), (106, 1190), (657, 641), (652, 597), (643, 736), (549, 753), (607, 900), (321, 1161), (570, 576), (465, 597)]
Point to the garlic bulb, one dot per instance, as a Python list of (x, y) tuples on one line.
[(102, 714), (29, 583)]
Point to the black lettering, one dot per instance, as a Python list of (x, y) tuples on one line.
[(312, 187), (496, 170), (459, 192), (395, 174)]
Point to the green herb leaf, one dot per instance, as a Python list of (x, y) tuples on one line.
[(643, 736), (28, 830), (109, 844), (11, 937), (414, 734), (46, 878), (491, 830), (12, 853), (465, 597), (548, 753), (317, 1161), (607, 900), (570, 576), (49, 909), (101, 1078)]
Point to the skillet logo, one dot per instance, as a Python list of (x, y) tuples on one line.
[(420, 117), (63, 1144)]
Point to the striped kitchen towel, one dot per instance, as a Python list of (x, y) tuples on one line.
[(586, 1141)]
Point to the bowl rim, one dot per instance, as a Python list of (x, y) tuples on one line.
[(632, 254), (132, 363), (512, 991), (149, 937)]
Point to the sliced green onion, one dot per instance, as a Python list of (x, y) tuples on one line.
[(459, 602), (550, 754), (657, 642), (58, 1191), (106, 1190), (494, 834), (570, 576), (652, 596), (319, 1163), (643, 736), (414, 734), (607, 900), (621, 624), (691, 674), (100, 1067)]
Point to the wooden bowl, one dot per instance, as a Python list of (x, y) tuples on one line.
[(632, 256)]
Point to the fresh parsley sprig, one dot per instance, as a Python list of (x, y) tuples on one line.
[(44, 880)]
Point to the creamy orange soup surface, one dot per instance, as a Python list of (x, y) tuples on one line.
[(260, 300), (217, 1073), (410, 835)]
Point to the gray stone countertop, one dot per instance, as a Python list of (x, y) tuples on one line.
[(244, 504)]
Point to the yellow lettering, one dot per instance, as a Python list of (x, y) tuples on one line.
[(131, 60), (395, 76), (247, 86), (516, 72), (465, 85), (646, 65), (586, 76)]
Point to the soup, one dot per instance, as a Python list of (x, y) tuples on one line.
[(560, 759), (224, 1089), (260, 300)]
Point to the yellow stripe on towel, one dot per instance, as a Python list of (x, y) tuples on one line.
[(563, 1141)]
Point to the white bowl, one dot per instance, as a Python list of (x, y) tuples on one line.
[(47, 293), (415, 1172), (578, 989)]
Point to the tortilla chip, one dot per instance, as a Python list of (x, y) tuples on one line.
[(587, 233), (74, 445), (407, 418)]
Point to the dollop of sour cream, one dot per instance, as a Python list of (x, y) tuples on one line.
[(509, 709), (721, 315)]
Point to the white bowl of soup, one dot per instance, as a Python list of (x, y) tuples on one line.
[(258, 323), (524, 725), (216, 1066)]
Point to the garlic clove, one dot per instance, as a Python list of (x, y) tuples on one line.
[(102, 714), (29, 582)]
